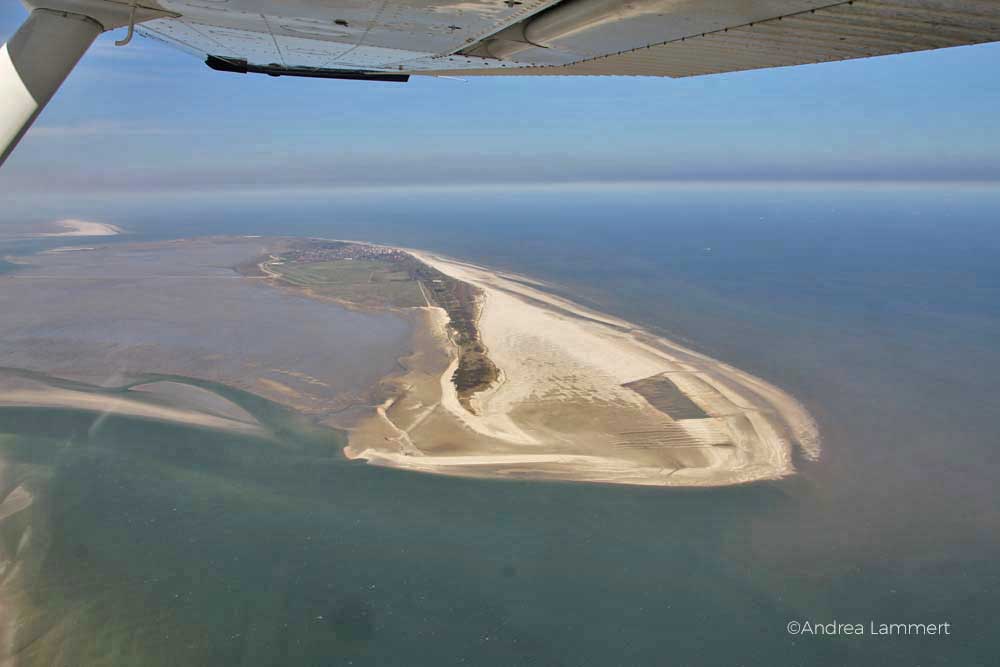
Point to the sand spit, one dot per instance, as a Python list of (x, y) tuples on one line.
[(561, 410), (169, 402), (194, 399), (75, 227)]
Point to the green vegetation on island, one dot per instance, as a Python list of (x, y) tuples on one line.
[(378, 276), (361, 281)]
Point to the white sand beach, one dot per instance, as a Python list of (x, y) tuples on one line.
[(561, 410)]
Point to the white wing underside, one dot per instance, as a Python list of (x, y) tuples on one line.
[(383, 35), (672, 38)]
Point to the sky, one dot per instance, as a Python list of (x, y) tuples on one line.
[(147, 117)]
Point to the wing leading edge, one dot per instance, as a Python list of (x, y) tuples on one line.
[(843, 31)]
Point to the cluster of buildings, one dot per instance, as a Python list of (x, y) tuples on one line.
[(329, 251)]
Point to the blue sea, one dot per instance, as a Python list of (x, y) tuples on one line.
[(878, 306)]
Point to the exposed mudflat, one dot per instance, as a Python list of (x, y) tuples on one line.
[(113, 313)]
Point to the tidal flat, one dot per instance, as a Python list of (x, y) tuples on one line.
[(133, 393), (179, 307)]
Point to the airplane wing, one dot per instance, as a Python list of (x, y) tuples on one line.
[(390, 40), (671, 38)]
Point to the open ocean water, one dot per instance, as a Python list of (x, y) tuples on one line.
[(877, 307)]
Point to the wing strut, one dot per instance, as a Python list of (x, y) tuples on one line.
[(34, 63)]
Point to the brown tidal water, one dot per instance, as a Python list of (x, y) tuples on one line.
[(181, 308)]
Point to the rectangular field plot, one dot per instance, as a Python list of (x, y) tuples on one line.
[(361, 281), (666, 397)]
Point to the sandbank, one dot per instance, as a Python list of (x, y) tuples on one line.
[(212, 411), (74, 227)]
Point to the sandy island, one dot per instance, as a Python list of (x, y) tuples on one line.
[(73, 227), (502, 378), (580, 396)]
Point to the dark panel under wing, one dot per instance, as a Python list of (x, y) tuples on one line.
[(243, 67)]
